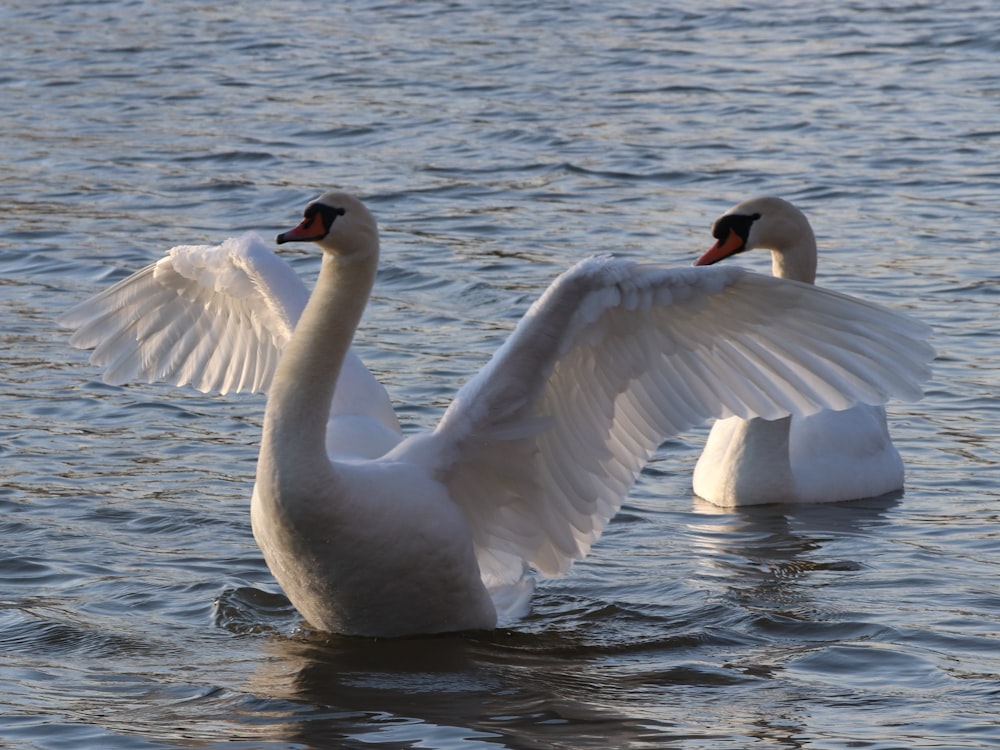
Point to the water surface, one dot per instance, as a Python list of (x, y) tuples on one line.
[(497, 145)]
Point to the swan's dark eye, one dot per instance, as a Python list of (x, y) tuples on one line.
[(317, 220), (326, 214), (738, 223)]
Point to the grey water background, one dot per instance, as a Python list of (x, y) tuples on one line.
[(497, 143)]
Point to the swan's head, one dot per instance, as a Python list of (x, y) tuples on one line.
[(769, 223), (772, 224), (337, 222)]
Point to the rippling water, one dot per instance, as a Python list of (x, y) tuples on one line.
[(497, 143)]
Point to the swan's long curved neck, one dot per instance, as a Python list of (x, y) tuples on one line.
[(796, 259), (299, 400)]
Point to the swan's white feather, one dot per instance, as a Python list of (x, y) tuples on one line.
[(217, 317), (542, 446), (212, 316)]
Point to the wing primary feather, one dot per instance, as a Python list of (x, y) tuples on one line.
[(215, 317), (615, 357)]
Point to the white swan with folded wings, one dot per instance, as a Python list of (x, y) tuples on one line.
[(828, 456)]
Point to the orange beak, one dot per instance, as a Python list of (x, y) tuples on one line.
[(731, 245), (309, 229)]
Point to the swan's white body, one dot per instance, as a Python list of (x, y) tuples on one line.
[(217, 317), (829, 456), (538, 450)]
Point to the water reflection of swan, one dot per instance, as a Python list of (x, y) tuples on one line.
[(768, 567), (761, 554), (447, 689)]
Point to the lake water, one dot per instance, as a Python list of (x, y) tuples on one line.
[(497, 143)]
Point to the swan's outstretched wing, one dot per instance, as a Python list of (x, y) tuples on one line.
[(212, 316), (542, 446), (217, 317)]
